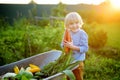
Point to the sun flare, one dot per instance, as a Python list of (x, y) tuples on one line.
[(115, 4)]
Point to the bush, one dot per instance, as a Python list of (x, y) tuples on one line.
[(24, 40), (11, 46), (97, 38), (42, 23), (44, 39)]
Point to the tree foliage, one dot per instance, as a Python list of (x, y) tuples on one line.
[(59, 10)]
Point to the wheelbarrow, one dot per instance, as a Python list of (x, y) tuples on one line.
[(40, 60)]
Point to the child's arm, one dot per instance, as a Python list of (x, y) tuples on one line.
[(84, 44), (71, 46)]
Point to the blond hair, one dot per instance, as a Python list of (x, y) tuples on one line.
[(73, 17)]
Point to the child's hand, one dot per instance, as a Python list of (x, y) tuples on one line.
[(68, 44)]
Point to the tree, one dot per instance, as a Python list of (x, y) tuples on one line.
[(59, 10)]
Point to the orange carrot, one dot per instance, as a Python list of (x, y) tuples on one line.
[(67, 37)]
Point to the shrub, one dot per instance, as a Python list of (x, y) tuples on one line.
[(24, 40), (11, 45), (97, 38)]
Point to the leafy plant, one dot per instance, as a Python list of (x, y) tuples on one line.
[(62, 64)]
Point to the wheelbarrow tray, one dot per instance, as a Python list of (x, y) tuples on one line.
[(40, 60)]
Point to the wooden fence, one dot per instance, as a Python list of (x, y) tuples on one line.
[(51, 19)]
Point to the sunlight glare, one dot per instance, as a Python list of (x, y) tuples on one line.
[(70, 1), (115, 4), (46, 1), (96, 2)]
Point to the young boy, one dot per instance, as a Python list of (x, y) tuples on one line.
[(79, 44)]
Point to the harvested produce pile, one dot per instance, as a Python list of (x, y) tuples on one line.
[(64, 62)]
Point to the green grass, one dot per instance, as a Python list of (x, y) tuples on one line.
[(101, 68)]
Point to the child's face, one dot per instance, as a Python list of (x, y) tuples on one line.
[(74, 26)]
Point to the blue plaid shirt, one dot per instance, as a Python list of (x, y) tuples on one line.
[(80, 39)]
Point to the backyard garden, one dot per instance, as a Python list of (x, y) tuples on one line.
[(24, 38)]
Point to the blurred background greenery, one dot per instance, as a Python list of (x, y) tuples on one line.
[(24, 34)]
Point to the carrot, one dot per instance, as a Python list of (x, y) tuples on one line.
[(67, 37)]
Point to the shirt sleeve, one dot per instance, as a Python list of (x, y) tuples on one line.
[(61, 45), (84, 42)]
